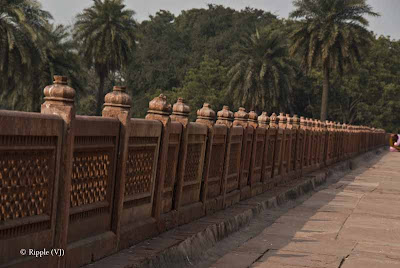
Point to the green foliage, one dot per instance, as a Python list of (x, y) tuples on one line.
[(22, 30), (203, 84), (22, 25), (261, 77), (105, 33), (331, 35), (214, 54)]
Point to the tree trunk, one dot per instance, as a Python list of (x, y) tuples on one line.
[(100, 97), (34, 105), (325, 91)]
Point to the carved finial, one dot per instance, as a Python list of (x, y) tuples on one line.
[(263, 120), (116, 101), (296, 121), (303, 123), (180, 108), (159, 105), (180, 112), (225, 117), (273, 121), (59, 92), (323, 126), (282, 120), (159, 110), (241, 118), (206, 115), (328, 125), (289, 121), (309, 123), (253, 119)]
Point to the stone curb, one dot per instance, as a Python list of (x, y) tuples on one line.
[(184, 244)]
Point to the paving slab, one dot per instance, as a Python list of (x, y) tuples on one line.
[(292, 258), (352, 223)]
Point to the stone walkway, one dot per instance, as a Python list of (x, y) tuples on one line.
[(352, 223)]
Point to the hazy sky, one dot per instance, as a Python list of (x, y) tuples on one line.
[(64, 10)]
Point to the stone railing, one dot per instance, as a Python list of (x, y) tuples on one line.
[(94, 185)]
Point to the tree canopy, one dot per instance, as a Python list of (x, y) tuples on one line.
[(215, 54)]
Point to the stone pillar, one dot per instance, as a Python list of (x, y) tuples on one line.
[(345, 140), (59, 100), (180, 113), (117, 104), (284, 161), (160, 110), (263, 122), (317, 130), (206, 116), (279, 124), (242, 119)]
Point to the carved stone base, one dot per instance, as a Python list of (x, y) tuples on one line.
[(231, 198), (213, 205), (190, 213), (245, 193), (277, 180), (134, 233), (91, 249), (268, 185), (168, 221), (256, 189)]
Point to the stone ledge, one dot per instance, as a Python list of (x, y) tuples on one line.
[(178, 246)]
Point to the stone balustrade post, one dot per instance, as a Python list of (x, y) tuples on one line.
[(285, 147), (117, 104), (264, 123), (180, 113), (206, 116), (160, 110), (242, 119), (278, 125), (59, 100)]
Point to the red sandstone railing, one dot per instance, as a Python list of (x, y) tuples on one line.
[(95, 185)]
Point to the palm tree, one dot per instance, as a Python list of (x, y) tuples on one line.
[(331, 35), (261, 77), (105, 32), (22, 26), (57, 56)]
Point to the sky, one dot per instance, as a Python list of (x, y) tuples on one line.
[(387, 24)]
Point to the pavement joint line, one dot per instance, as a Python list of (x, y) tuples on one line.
[(348, 216), (343, 260), (262, 255)]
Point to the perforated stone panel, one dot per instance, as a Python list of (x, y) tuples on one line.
[(25, 183), (139, 173), (90, 177), (192, 162)]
